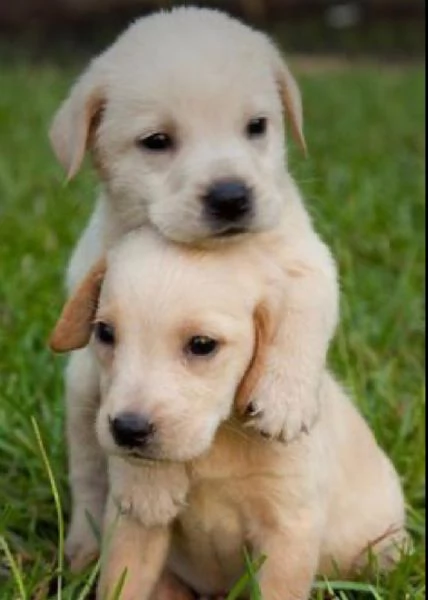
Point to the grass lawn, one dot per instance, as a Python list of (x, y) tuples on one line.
[(364, 184)]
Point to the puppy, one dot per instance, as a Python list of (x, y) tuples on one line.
[(190, 485), (184, 119)]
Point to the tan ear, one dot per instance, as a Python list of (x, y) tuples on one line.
[(71, 127), (73, 328), (263, 334), (291, 99)]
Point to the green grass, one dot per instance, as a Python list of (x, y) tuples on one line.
[(364, 184)]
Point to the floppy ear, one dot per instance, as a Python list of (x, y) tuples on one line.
[(73, 328), (263, 335), (71, 127), (291, 99)]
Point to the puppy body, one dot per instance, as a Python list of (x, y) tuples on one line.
[(304, 276), (216, 91), (203, 484), (314, 506)]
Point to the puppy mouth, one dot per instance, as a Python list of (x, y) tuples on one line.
[(231, 231), (137, 459), (138, 456)]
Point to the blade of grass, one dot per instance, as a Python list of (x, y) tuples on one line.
[(58, 506), (252, 572), (248, 578), (90, 581), (350, 586), (115, 595), (17, 576)]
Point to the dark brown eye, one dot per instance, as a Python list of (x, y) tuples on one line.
[(104, 333), (256, 127), (157, 142), (201, 345)]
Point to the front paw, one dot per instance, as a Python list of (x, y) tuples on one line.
[(282, 419)]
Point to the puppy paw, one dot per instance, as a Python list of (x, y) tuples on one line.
[(153, 496), (283, 419), (81, 544)]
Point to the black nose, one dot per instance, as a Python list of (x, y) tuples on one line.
[(228, 201), (131, 430)]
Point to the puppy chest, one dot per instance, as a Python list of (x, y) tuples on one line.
[(208, 540)]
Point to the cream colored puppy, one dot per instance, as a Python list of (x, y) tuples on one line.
[(175, 335), (184, 118)]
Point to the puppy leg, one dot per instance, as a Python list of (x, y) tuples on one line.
[(133, 556), (384, 553), (87, 466), (291, 558), (286, 400)]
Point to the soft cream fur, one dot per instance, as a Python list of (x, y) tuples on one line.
[(206, 484), (200, 76)]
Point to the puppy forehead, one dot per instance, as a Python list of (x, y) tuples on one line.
[(168, 284), (179, 34), (188, 53)]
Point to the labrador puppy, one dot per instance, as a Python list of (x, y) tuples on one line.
[(190, 484), (183, 116)]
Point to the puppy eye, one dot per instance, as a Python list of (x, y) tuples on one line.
[(256, 127), (157, 142), (104, 333), (201, 345)]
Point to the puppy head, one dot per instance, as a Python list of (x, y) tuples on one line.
[(184, 114), (173, 346)]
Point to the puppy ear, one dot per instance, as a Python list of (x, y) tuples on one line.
[(73, 328), (291, 99), (263, 335), (71, 127)]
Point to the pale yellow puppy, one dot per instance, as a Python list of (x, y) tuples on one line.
[(184, 118), (175, 335)]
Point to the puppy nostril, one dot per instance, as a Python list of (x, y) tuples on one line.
[(131, 430), (228, 200)]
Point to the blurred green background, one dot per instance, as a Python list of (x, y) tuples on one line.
[(361, 69), (388, 28)]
